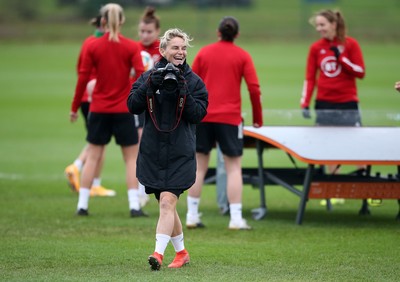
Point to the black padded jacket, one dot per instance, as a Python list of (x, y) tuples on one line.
[(167, 158)]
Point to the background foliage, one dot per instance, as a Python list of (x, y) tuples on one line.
[(43, 20)]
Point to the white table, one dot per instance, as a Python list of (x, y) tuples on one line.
[(315, 145)]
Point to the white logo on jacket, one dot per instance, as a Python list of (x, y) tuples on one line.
[(330, 66)]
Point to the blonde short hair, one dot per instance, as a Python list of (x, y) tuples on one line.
[(172, 33)]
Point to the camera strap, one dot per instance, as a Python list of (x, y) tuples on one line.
[(179, 110)]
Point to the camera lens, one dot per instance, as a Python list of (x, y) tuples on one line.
[(170, 82)]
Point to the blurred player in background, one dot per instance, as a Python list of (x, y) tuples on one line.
[(222, 66), (72, 172), (149, 32), (334, 63), (113, 56), (397, 86)]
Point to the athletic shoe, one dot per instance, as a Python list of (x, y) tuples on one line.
[(82, 212), (72, 174), (374, 202), (193, 222), (239, 225), (181, 259), (334, 201), (138, 213), (143, 199), (100, 191), (155, 261)]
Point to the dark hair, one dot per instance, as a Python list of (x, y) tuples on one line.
[(96, 21), (334, 17), (229, 28), (149, 17)]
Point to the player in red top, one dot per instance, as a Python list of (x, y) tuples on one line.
[(73, 170), (149, 32), (222, 65), (334, 63), (113, 56)]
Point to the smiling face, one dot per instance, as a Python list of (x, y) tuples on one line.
[(325, 28), (148, 33), (175, 51)]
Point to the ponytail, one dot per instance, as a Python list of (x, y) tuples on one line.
[(114, 16), (340, 27)]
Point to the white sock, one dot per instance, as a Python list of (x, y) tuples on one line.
[(236, 211), (142, 190), (177, 242), (161, 243), (84, 195), (193, 205), (133, 198), (96, 182), (79, 164)]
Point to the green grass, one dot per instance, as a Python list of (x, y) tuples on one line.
[(42, 240)]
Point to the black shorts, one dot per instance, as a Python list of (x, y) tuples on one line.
[(337, 114), (101, 127), (157, 192), (85, 112), (229, 138)]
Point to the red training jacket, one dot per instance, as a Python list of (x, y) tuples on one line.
[(337, 77), (85, 43), (153, 50), (113, 62), (222, 65)]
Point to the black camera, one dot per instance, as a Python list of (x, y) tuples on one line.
[(170, 73)]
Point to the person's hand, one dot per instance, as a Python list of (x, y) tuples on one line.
[(73, 116), (336, 51), (397, 86), (156, 80), (256, 125), (306, 112)]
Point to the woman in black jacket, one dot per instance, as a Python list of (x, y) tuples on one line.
[(174, 99)]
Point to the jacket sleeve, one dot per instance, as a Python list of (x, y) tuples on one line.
[(84, 70), (137, 63), (309, 83), (253, 87), (137, 101), (352, 60), (196, 104)]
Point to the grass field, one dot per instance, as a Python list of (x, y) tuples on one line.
[(42, 239)]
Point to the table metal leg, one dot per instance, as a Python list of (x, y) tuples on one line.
[(304, 196), (364, 204), (398, 201), (260, 212), (364, 208)]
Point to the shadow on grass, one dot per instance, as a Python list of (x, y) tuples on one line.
[(336, 218)]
